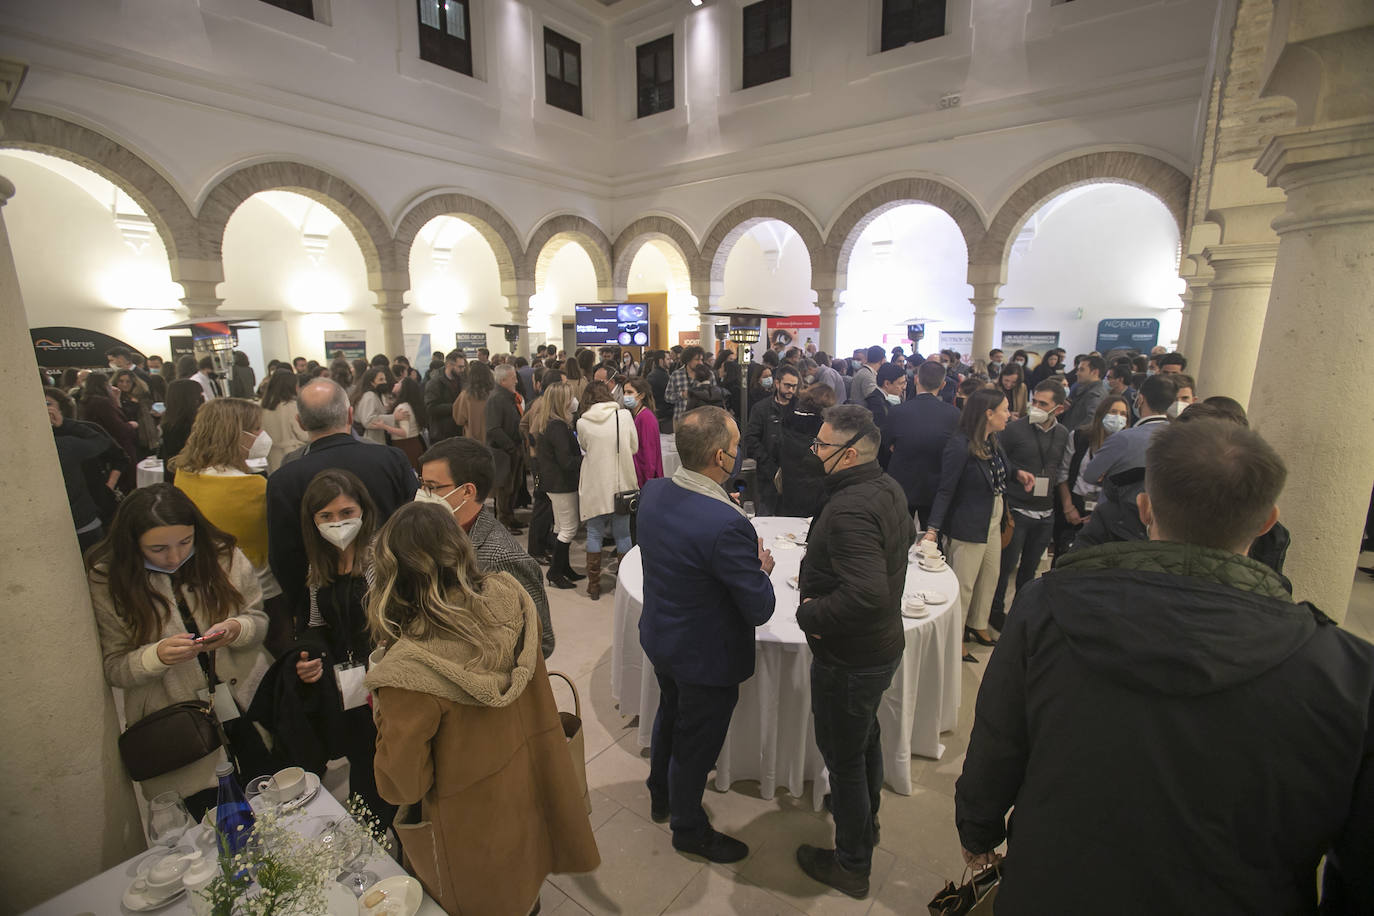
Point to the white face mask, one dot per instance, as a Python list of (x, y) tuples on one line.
[(1037, 415), (766, 381), (1113, 423), (424, 496), (629, 401), (893, 399), (261, 446), (1176, 408), (341, 533)]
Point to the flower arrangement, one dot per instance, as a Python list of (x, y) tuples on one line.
[(282, 871)]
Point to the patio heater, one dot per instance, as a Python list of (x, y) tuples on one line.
[(744, 329), (217, 340), (511, 332)]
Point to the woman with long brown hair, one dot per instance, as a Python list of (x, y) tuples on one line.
[(372, 400), (279, 417), (99, 404), (184, 399), (177, 606), (469, 738), (470, 408), (558, 461), (968, 508), (136, 404), (1078, 497), (1013, 384)]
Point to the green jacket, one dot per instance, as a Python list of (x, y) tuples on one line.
[(1218, 566)]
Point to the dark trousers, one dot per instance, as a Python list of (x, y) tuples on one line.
[(844, 702), (1030, 538), (541, 524), (358, 742), (689, 732)]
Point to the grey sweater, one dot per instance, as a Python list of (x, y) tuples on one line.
[(1030, 448)]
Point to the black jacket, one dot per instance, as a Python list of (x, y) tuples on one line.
[(916, 433), (762, 437), (1177, 736), (440, 393), (855, 569), (705, 394), (79, 444), (877, 404), (658, 381), (1032, 449), (803, 476), (558, 457), (384, 470), (305, 719), (503, 422), (963, 504)]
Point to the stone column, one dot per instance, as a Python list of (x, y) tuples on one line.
[(828, 301), (1320, 306), (1240, 297), (200, 299), (391, 303), (518, 305), (985, 300), (69, 806), (708, 322), (1199, 302)]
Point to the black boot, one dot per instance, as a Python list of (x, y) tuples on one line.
[(557, 574), (572, 574)]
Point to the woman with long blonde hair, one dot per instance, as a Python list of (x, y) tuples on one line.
[(559, 462), (213, 469), (469, 740)]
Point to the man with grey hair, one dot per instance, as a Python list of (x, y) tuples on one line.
[(504, 408), (851, 585), (706, 588), (324, 413)]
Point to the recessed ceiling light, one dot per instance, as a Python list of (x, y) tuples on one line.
[(696, 2)]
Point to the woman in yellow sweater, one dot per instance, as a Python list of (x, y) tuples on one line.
[(213, 471)]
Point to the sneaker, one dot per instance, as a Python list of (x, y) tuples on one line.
[(820, 865), (716, 847)]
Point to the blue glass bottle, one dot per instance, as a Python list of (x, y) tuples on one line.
[(233, 816)]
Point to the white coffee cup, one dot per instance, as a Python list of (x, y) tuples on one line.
[(164, 878), (284, 785), (934, 564), (930, 549), (913, 604)]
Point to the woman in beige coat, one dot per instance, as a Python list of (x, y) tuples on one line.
[(467, 726), (279, 418), (174, 597)]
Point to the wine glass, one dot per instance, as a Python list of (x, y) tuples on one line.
[(167, 819), (356, 877)]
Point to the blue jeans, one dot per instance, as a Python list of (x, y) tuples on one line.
[(844, 702), (620, 530), (1028, 542)]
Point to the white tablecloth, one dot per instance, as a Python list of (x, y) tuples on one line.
[(104, 893), (671, 461), (149, 472), (772, 735)]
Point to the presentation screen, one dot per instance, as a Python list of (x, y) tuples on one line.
[(624, 324)]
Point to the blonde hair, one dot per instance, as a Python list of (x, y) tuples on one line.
[(216, 439), (427, 581), (557, 400)]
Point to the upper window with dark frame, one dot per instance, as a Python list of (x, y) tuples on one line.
[(446, 34), (654, 76), (562, 72), (304, 8), (909, 21), (767, 42)]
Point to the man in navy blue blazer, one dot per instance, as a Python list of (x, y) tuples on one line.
[(914, 437), (706, 588)]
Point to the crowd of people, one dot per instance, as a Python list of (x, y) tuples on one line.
[(333, 556)]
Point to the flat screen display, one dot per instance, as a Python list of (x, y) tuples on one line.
[(624, 324)]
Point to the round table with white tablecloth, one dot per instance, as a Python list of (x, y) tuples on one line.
[(671, 461), (772, 736), (149, 471)]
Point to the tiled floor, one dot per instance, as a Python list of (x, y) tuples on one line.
[(641, 874)]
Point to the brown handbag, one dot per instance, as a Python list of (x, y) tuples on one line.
[(1008, 525), (577, 747)]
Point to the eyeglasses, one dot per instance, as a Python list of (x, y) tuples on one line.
[(817, 443)]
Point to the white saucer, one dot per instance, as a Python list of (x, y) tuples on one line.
[(913, 614), (401, 888), (784, 544), (941, 568), (933, 597), (312, 786), (793, 581), (136, 898)]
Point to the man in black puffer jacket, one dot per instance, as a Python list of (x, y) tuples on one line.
[(1175, 733), (851, 589)]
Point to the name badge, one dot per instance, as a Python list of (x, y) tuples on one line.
[(226, 710), (1089, 505), (350, 681), (1042, 487)]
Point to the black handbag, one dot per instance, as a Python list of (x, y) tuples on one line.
[(626, 502), (169, 739)]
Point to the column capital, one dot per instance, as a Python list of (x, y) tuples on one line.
[(200, 299), (390, 300), (1242, 265), (828, 298), (1327, 172)]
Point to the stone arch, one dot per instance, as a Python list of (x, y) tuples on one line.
[(889, 195), (163, 204), (646, 229), (359, 214), (557, 231), (988, 262), (486, 219), (715, 248)]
